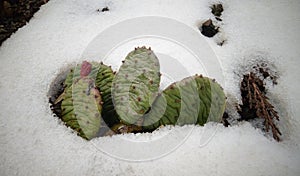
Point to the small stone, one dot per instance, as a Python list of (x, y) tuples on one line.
[(217, 9), (104, 9), (218, 18), (208, 29)]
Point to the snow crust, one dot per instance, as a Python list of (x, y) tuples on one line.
[(33, 142)]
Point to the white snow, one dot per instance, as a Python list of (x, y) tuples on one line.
[(33, 142)]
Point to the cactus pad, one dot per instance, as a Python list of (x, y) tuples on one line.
[(81, 108), (104, 81), (81, 101), (136, 84), (194, 100)]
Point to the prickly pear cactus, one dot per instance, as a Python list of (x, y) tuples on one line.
[(136, 84), (104, 79), (81, 105), (194, 100)]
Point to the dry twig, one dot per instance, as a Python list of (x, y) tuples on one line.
[(256, 104)]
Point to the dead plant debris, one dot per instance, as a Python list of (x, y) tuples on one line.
[(255, 102)]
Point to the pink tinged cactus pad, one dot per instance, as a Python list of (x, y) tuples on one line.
[(81, 101)]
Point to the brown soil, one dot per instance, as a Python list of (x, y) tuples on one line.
[(15, 14)]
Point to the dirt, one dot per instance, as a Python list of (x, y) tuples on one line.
[(56, 89), (15, 14), (217, 10)]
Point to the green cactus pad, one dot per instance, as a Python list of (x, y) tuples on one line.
[(136, 84), (104, 81), (194, 100), (81, 108)]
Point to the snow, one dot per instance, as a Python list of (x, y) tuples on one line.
[(33, 142)]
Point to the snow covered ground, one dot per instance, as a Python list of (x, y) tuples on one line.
[(33, 142)]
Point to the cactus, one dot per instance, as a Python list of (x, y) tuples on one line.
[(136, 84), (194, 100), (130, 102), (104, 81), (81, 105)]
